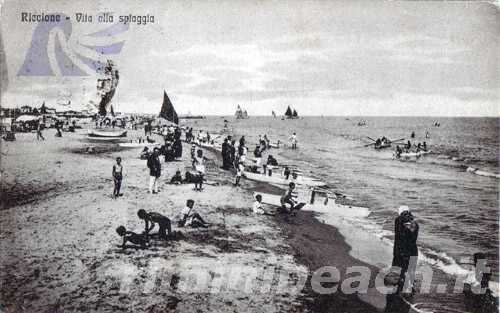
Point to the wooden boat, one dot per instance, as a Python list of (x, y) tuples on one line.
[(308, 203), (138, 145), (107, 133), (382, 146), (411, 155), (279, 179)]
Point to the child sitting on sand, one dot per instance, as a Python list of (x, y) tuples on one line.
[(129, 236), (177, 178), (257, 206), (189, 217)]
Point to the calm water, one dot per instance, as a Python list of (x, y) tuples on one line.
[(457, 210)]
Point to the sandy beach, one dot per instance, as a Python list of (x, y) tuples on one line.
[(61, 252)]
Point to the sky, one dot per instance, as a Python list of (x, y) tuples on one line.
[(320, 57)]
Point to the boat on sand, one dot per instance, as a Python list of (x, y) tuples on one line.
[(107, 133)]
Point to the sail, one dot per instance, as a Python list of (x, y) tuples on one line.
[(43, 109), (274, 114), (240, 113), (288, 112), (294, 114), (167, 110)]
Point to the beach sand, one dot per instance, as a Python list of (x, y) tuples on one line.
[(60, 251)]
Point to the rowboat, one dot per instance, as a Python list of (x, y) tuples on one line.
[(137, 144), (382, 146), (107, 133), (281, 180), (330, 206), (410, 155)]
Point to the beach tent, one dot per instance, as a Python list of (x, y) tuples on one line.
[(27, 118)]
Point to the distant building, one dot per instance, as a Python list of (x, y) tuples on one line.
[(26, 109), (50, 111)]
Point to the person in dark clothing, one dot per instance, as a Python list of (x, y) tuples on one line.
[(154, 166), (168, 152), (134, 238), (405, 252), (177, 147), (232, 154), (398, 151), (177, 178), (225, 154), (286, 172), (39, 128), (288, 198), (272, 161), (152, 218)]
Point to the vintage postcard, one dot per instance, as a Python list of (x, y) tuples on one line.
[(249, 156)]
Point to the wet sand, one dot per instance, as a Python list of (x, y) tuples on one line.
[(60, 250)]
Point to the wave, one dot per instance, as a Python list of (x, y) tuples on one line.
[(439, 260)]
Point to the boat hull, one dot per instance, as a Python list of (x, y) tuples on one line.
[(107, 133), (276, 179)]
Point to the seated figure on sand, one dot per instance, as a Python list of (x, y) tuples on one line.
[(288, 203), (189, 217), (257, 206), (134, 238), (177, 178), (152, 218)]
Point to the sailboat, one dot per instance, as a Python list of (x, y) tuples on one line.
[(274, 114), (291, 114), (240, 113), (167, 110)]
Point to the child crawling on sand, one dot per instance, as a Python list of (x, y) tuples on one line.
[(129, 236)]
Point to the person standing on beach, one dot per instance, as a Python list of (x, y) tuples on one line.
[(225, 154), (152, 218), (293, 140), (154, 166), (240, 169), (258, 156), (39, 131), (232, 154), (117, 177), (405, 251), (199, 165)]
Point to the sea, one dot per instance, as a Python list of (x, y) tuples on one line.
[(453, 191)]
